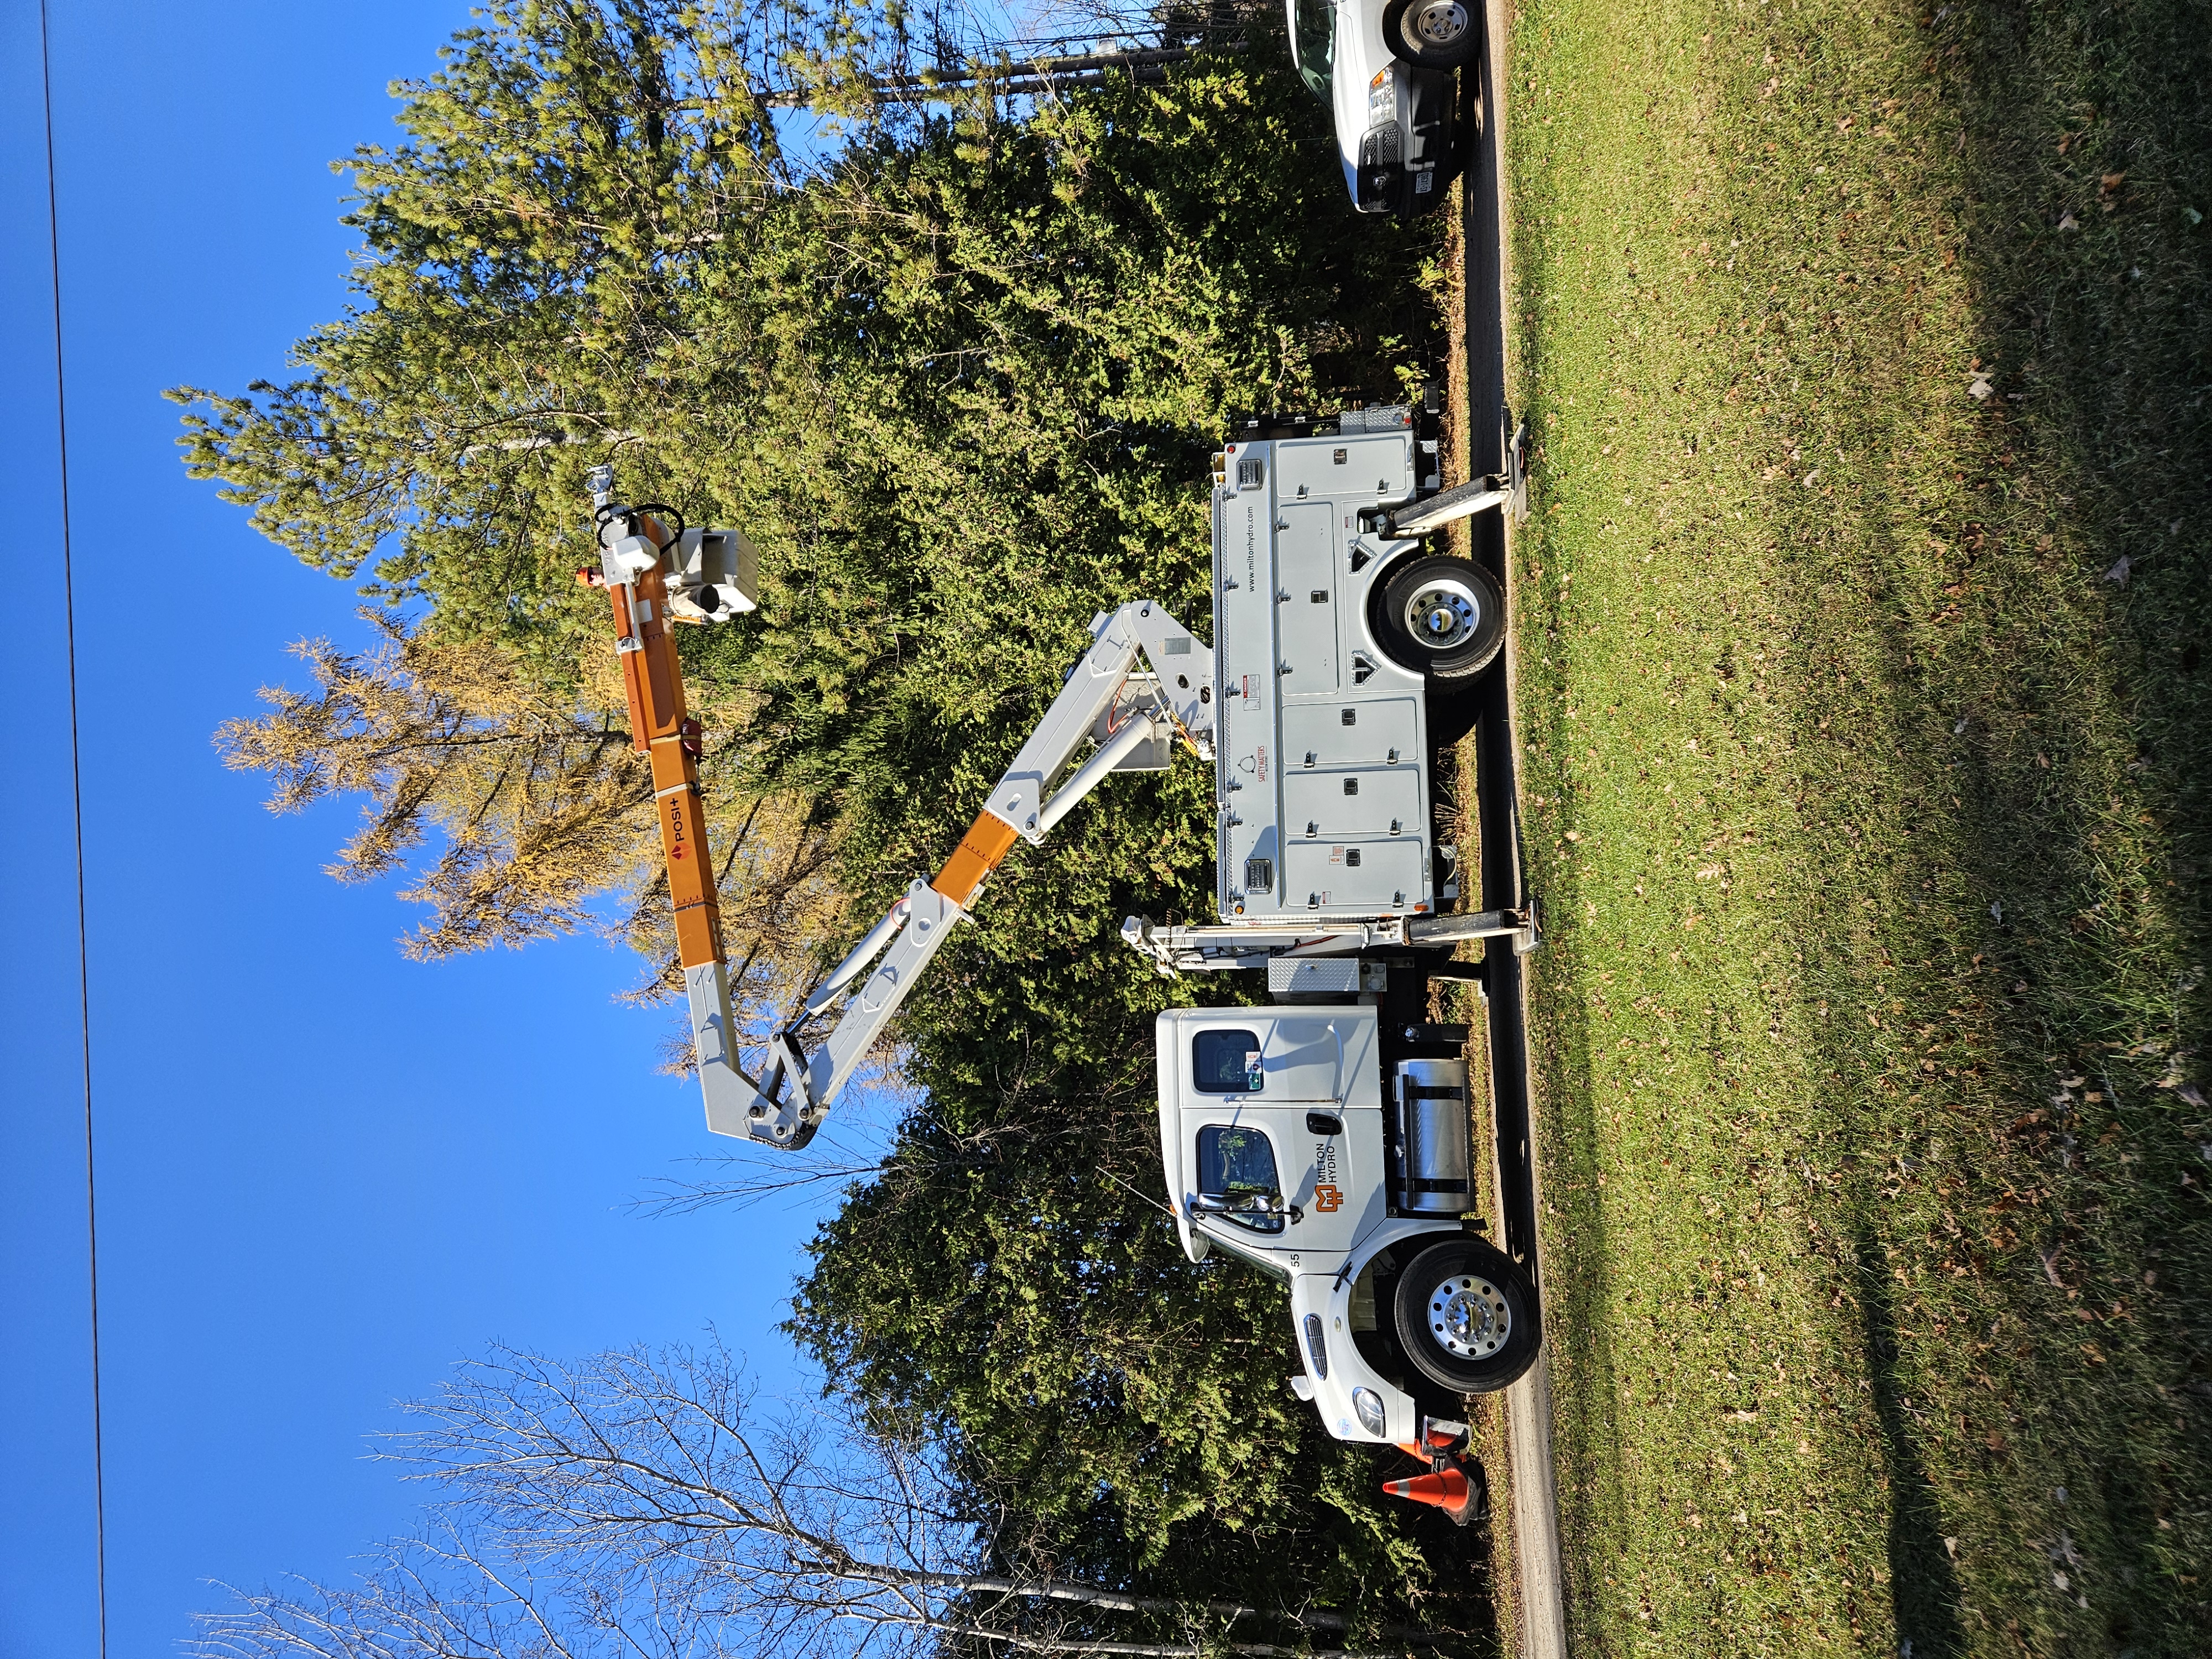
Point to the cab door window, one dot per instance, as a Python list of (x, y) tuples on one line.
[(1237, 1177)]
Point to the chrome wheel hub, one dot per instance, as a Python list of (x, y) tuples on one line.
[(1444, 614), (1468, 1317), (1438, 23)]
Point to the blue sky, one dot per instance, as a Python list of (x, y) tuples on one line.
[(324, 1172)]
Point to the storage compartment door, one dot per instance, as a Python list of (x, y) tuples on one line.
[(1305, 570), (1343, 805), (1369, 732), (1367, 879)]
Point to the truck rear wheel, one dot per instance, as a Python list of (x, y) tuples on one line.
[(1467, 1316), (1441, 617)]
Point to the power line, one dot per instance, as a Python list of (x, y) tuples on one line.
[(77, 812)]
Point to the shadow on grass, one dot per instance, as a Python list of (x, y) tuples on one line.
[(1922, 1585), (2056, 696)]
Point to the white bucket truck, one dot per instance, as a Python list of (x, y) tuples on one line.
[(1323, 1137)]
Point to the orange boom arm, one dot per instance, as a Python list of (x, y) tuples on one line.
[(661, 727)]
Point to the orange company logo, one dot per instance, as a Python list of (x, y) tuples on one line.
[(1328, 1196)]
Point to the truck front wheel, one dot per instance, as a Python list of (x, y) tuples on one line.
[(1442, 34), (1467, 1316), (1441, 617)]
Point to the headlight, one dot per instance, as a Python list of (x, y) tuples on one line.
[(1367, 1405), (1382, 97), (1317, 1349)]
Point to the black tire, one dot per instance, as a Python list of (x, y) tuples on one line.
[(1467, 1316), (1441, 617), (1440, 34)]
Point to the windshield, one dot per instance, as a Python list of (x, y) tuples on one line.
[(1313, 42)]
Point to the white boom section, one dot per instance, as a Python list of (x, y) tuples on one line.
[(1184, 670), (1132, 718)]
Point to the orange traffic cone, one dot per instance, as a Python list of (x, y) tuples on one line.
[(1449, 1490)]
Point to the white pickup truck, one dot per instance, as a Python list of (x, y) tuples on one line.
[(1324, 1139), (1386, 70)]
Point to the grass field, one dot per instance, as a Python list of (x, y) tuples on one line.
[(1861, 616)]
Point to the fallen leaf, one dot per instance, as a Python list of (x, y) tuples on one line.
[(2118, 572), (2068, 221), (2191, 1093), (1978, 389)]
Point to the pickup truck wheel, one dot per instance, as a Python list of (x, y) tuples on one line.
[(1441, 617), (1466, 1316), (1440, 34)]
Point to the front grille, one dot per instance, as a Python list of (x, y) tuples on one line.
[(1382, 169)]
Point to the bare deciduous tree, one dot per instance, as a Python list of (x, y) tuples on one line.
[(630, 1504)]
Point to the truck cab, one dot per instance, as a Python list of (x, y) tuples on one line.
[(1308, 1142)]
